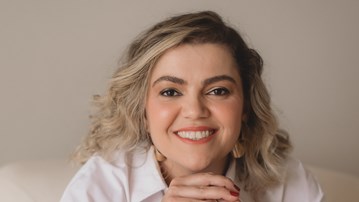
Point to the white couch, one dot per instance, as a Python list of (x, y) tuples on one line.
[(35, 181), (44, 181)]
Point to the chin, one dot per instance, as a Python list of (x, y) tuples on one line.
[(197, 166), (195, 162)]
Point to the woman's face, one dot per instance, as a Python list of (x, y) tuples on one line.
[(194, 107)]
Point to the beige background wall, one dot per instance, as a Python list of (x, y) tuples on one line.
[(56, 54)]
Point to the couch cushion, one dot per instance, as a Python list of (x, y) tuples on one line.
[(40, 181)]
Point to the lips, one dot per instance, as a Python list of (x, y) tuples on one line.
[(196, 134)]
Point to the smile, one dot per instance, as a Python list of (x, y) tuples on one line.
[(195, 135)]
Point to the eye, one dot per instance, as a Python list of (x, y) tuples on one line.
[(219, 91), (170, 93)]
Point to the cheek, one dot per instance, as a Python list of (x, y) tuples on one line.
[(229, 115), (159, 114)]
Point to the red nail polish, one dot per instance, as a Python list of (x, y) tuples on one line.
[(238, 189), (233, 193)]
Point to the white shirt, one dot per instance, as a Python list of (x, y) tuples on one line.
[(138, 178)]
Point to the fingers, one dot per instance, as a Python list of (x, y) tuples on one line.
[(206, 179), (203, 192), (203, 187)]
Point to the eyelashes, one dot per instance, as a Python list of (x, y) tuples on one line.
[(219, 91), (172, 92)]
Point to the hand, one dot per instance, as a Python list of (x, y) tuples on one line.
[(202, 187)]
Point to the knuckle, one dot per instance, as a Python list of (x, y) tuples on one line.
[(229, 182), (175, 181), (172, 190), (202, 190)]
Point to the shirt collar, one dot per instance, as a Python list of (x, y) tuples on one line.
[(146, 177), (231, 171), (232, 174)]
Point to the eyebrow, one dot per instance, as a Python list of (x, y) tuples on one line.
[(218, 78), (171, 79), (208, 81)]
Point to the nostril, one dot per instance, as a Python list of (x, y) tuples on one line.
[(195, 110)]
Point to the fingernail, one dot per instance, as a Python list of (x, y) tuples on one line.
[(238, 189), (233, 193)]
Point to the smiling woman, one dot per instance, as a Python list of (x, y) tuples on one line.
[(194, 114), (187, 117)]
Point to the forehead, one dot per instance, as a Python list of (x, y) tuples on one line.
[(196, 60)]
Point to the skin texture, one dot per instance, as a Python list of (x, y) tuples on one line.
[(195, 88)]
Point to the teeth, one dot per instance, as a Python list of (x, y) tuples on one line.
[(195, 135)]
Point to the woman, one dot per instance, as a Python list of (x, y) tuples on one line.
[(187, 118)]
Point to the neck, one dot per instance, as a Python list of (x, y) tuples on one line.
[(171, 170)]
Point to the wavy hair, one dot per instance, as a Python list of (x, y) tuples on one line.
[(120, 122)]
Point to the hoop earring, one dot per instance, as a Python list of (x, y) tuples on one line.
[(238, 150), (159, 156)]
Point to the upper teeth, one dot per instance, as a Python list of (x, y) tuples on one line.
[(194, 135)]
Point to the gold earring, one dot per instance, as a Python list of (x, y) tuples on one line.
[(238, 150), (159, 156)]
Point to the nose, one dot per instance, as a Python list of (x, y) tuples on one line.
[(195, 107)]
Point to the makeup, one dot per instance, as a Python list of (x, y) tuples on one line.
[(196, 134)]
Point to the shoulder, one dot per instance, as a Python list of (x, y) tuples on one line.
[(99, 180), (298, 184), (297, 176), (119, 180)]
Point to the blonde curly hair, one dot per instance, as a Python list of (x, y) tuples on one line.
[(120, 122)]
